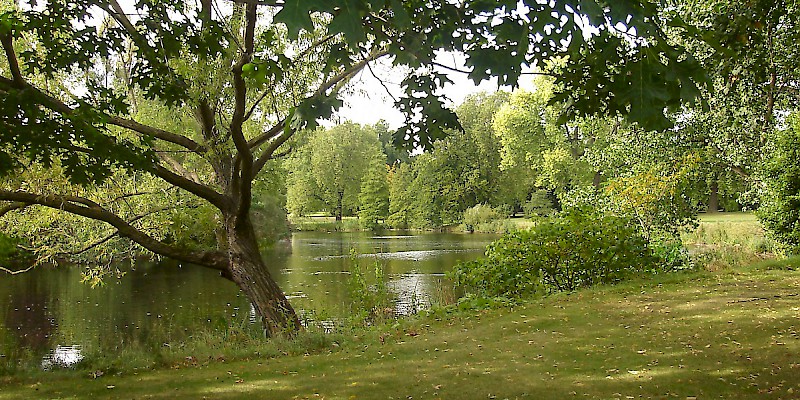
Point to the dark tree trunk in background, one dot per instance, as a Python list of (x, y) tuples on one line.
[(713, 198), (248, 270), (339, 205), (597, 179)]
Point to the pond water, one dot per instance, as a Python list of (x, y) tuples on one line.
[(48, 312)]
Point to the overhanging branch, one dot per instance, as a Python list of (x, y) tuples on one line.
[(89, 209)]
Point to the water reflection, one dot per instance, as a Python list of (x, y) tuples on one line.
[(413, 292), (62, 356), (50, 313)]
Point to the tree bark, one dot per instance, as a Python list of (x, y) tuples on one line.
[(597, 179), (248, 270), (339, 205), (713, 198)]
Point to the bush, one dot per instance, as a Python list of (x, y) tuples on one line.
[(480, 214), (576, 249)]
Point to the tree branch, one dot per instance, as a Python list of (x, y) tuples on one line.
[(192, 176), (12, 207), (22, 271), (200, 190), (264, 137), (116, 233), (157, 133), (464, 71), (118, 14), (242, 183), (336, 80), (79, 206), (13, 63)]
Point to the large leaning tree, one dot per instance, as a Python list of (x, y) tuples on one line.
[(195, 97)]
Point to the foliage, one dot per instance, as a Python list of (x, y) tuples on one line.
[(327, 172), (539, 205), (394, 155), (655, 198), (480, 214), (780, 210), (374, 197), (545, 151), (578, 248)]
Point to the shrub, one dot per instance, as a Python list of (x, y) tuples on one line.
[(479, 214), (575, 249)]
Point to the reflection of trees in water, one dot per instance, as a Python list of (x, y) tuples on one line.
[(28, 317), (413, 292)]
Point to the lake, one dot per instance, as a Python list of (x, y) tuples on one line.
[(48, 312)]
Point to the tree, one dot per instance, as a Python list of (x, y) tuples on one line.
[(374, 196), (780, 212), (547, 153), (329, 170), (400, 179), (250, 75), (749, 49)]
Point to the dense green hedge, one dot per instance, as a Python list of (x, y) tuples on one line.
[(575, 249)]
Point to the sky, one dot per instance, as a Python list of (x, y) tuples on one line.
[(369, 101)]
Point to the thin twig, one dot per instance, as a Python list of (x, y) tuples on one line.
[(22, 271)]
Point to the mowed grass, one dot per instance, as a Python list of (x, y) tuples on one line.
[(705, 335)]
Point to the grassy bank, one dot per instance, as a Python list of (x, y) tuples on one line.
[(731, 334), (324, 223)]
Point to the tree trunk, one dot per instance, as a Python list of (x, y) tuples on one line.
[(713, 198), (248, 271), (597, 179), (339, 205)]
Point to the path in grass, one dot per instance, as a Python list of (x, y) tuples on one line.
[(731, 335)]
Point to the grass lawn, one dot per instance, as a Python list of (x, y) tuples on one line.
[(736, 217), (730, 334)]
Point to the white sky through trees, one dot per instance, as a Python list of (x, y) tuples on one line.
[(367, 99)]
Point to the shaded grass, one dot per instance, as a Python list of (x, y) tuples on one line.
[(723, 335)]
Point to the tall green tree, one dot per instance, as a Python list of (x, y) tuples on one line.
[(329, 170), (401, 199), (373, 200), (252, 74), (546, 152)]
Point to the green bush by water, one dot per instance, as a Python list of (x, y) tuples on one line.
[(578, 248)]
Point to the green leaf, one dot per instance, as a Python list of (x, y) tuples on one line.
[(349, 21), (401, 18), (296, 15)]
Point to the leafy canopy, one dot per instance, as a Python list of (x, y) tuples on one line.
[(615, 58)]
